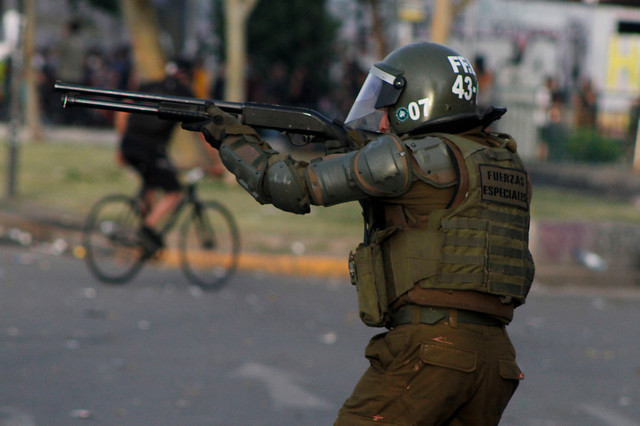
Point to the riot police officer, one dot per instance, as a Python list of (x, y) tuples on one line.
[(445, 259)]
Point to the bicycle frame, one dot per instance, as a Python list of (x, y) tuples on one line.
[(189, 197)]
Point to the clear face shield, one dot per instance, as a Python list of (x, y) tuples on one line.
[(380, 90)]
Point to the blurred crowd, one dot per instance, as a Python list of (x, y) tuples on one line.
[(560, 109), (71, 61)]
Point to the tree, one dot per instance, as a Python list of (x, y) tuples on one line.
[(32, 105), (142, 23), (298, 34), (236, 14), (443, 14), (379, 27)]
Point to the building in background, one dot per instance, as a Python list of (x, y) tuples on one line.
[(552, 63), (589, 52)]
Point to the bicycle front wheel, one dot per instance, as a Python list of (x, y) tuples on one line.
[(209, 245), (113, 252)]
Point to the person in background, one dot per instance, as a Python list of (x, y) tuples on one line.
[(485, 79), (144, 146), (586, 105)]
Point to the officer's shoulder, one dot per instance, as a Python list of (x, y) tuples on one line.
[(434, 163)]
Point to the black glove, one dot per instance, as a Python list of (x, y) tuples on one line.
[(213, 129)]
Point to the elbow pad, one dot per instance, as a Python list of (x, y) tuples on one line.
[(269, 177), (286, 187)]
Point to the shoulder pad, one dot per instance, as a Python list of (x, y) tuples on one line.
[(381, 168), (433, 163)]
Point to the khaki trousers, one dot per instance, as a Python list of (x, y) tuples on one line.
[(437, 374)]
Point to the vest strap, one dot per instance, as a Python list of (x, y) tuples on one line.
[(394, 215), (461, 259), (459, 240), (476, 278), (463, 174)]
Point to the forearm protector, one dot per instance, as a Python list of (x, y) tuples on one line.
[(247, 158), (380, 169)]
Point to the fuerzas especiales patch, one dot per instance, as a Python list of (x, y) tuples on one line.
[(504, 185)]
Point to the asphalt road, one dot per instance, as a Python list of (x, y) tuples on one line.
[(267, 350)]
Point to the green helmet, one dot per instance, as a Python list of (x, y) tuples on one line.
[(420, 85)]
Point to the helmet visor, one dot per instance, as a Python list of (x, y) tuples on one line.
[(363, 113), (380, 89)]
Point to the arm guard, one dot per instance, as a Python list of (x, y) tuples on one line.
[(247, 159), (330, 180), (385, 167), (380, 169)]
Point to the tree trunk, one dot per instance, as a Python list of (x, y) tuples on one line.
[(378, 29), (149, 59), (32, 105), (443, 13), (441, 23), (236, 14)]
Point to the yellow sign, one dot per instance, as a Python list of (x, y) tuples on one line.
[(623, 69), (411, 14)]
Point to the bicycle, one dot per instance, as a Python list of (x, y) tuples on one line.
[(208, 240)]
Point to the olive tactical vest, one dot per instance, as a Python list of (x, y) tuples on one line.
[(480, 243)]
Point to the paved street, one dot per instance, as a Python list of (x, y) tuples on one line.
[(267, 350)]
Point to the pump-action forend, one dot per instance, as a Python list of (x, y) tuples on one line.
[(287, 119)]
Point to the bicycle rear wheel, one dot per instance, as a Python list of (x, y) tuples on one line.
[(209, 245), (114, 254)]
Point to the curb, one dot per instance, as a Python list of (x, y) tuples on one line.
[(295, 265), (325, 266), (48, 232)]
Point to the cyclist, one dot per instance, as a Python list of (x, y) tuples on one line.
[(144, 146)]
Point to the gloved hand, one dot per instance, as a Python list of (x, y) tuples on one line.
[(213, 129)]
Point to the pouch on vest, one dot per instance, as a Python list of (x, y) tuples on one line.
[(367, 274)]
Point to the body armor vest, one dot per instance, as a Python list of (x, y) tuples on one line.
[(480, 243)]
